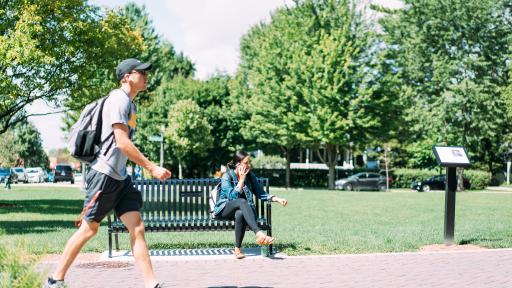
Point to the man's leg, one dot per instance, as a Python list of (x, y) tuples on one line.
[(135, 226), (86, 231)]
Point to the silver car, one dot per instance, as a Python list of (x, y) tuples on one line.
[(22, 174), (35, 175)]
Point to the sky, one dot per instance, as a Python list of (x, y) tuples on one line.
[(207, 32)]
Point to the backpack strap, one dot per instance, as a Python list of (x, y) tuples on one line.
[(99, 123)]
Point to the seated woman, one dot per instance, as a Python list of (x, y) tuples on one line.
[(236, 200)]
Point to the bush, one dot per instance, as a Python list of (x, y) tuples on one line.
[(269, 162), (17, 268), (479, 179), (306, 178), (403, 177)]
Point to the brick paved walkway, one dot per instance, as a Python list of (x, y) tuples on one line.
[(479, 268)]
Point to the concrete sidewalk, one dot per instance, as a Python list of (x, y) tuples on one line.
[(476, 268)]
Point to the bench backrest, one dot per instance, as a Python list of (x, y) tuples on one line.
[(181, 199)]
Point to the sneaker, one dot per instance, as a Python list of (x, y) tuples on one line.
[(159, 285), (50, 283)]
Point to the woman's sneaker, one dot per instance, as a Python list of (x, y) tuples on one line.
[(50, 283)]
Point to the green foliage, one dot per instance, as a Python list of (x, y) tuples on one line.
[(167, 64), (30, 146), (269, 162), (479, 179), (53, 48), (450, 70), (307, 79), (402, 178), (18, 267), (303, 178), (188, 131), (420, 155), (213, 97), (8, 153), (23, 144)]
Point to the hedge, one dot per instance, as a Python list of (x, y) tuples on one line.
[(402, 177), (310, 178), (479, 179)]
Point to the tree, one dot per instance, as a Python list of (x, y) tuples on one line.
[(451, 70), (61, 52), (8, 152), (30, 147), (213, 97), (188, 131), (167, 64), (309, 78), (22, 144)]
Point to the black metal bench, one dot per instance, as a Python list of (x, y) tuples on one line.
[(181, 205)]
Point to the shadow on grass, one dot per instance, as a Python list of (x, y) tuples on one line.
[(26, 227), (483, 240), (46, 206)]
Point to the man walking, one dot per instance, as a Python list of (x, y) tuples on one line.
[(108, 186)]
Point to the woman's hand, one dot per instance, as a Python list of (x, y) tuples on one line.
[(281, 201), (242, 172)]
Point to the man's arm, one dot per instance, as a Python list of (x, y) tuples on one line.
[(126, 146)]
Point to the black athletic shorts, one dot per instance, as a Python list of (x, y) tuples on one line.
[(117, 195)]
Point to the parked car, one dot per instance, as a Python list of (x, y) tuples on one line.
[(437, 182), (22, 174), (5, 172), (63, 173), (35, 175), (362, 181)]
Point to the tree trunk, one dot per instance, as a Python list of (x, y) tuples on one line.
[(287, 155), (288, 168), (180, 175), (332, 153), (460, 179)]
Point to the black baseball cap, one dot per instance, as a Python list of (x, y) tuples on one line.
[(128, 65)]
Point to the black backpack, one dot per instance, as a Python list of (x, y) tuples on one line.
[(85, 135)]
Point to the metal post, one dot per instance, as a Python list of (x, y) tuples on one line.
[(449, 213), (508, 172), (162, 152)]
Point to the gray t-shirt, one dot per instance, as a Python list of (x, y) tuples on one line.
[(118, 109)]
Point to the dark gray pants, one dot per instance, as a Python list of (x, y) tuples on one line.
[(244, 216)]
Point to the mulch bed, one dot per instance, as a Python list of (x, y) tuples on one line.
[(453, 247)]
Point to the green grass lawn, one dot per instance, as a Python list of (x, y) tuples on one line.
[(314, 222)]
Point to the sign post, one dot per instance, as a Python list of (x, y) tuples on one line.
[(159, 138), (450, 157)]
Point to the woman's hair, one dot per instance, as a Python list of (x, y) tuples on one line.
[(237, 158)]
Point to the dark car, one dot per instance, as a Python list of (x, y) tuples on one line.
[(435, 183), (5, 172), (63, 173), (362, 181)]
